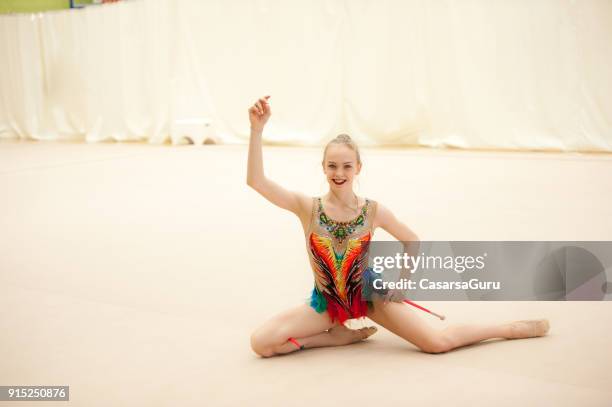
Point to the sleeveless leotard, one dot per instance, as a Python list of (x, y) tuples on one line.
[(338, 253)]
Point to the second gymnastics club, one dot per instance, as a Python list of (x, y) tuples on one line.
[(414, 304)]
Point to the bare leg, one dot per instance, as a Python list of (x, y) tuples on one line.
[(308, 327), (403, 321), (338, 335)]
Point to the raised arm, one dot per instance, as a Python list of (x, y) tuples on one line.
[(292, 201)]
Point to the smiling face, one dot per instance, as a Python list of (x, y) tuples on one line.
[(340, 165)]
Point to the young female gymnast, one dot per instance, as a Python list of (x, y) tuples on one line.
[(337, 228)]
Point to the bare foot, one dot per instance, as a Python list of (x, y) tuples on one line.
[(528, 328), (345, 336)]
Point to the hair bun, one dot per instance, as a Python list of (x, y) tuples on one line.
[(343, 138)]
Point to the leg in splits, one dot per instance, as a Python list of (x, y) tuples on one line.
[(403, 321), (309, 328)]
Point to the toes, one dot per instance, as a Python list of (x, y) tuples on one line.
[(544, 327), (367, 331)]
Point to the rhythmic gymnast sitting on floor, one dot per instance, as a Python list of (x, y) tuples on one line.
[(337, 229)]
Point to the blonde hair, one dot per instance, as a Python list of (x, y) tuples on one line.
[(347, 141)]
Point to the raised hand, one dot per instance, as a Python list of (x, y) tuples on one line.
[(259, 113)]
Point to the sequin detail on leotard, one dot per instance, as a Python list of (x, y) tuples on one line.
[(338, 254)]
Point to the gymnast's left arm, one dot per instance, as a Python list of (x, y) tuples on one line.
[(398, 229)]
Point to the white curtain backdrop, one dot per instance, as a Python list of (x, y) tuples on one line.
[(516, 74)]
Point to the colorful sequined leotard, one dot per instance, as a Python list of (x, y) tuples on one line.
[(338, 254)]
